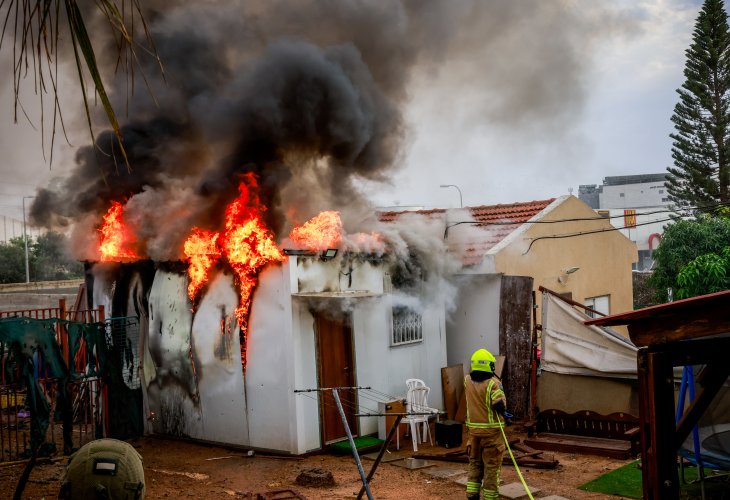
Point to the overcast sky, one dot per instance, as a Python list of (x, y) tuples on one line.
[(619, 125)]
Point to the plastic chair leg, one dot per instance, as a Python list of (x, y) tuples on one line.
[(414, 436)]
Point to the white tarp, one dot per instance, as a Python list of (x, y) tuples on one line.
[(570, 347)]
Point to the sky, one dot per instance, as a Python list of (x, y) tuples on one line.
[(611, 118)]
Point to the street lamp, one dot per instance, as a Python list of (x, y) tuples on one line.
[(25, 240), (461, 202)]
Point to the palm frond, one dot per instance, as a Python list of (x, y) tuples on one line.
[(36, 33)]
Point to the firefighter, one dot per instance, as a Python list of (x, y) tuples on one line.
[(485, 409)]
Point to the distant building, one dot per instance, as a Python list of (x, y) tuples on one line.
[(635, 204)]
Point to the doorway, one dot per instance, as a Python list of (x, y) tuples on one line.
[(336, 368)]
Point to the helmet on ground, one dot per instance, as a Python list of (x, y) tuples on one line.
[(483, 361), (104, 469)]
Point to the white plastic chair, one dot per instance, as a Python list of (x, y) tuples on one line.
[(417, 382), (417, 411)]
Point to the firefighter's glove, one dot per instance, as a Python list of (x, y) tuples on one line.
[(500, 408)]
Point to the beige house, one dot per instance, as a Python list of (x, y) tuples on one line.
[(561, 243)]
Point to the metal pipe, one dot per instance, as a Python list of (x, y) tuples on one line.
[(383, 449), (352, 444)]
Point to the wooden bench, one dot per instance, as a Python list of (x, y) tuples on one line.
[(615, 435)]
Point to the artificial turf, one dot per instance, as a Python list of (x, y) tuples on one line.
[(626, 482), (362, 443)]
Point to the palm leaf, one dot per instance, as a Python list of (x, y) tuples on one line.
[(35, 49)]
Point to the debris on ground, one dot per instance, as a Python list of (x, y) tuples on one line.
[(315, 477)]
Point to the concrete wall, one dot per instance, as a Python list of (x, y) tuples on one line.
[(475, 321), (645, 194), (23, 301)]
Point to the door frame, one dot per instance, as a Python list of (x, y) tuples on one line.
[(345, 320)]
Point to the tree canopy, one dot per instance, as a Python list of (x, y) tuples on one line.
[(47, 259), (682, 243), (708, 273), (701, 141)]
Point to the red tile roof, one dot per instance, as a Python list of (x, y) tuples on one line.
[(498, 222)]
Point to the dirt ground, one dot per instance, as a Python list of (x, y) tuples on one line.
[(182, 469)]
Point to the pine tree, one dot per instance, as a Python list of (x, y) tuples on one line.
[(701, 148)]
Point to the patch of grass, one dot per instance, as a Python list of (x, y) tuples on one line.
[(626, 482), (362, 443)]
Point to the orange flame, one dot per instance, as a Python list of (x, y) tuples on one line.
[(247, 244), (319, 233), (115, 238), (201, 250)]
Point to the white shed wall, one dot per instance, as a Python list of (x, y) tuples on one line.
[(305, 376), (475, 322), (219, 373), (384, 367), (270, 372)]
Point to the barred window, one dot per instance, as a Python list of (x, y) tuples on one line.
[(407, 326)]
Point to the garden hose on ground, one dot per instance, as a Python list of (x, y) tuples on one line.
[(519, 474)]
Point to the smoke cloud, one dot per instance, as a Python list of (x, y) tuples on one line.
[(309, 96)]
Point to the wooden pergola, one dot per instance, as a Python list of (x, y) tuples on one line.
[(693, 331)]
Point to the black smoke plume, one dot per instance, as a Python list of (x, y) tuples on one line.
[(309, 95)]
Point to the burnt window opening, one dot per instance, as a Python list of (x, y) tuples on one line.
[(407, 326)]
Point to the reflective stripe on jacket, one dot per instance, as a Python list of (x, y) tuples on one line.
[(480, 400)]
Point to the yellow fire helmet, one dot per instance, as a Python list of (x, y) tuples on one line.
[(482, 361)]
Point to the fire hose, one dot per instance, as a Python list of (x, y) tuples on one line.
[(506, 442)]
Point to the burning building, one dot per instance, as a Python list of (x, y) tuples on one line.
[(219, 366)]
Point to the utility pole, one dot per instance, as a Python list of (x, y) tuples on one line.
[(25, 240)]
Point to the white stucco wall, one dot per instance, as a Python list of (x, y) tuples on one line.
[(474, 324), (218, 370), (385, 368), (313, 275), (305, 377), (270, 371)]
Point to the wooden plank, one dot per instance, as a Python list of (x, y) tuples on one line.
[(662, 464), (612, 448), (515, 327), (452, 384), (499, 365), (461, 412), (701, 321)]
